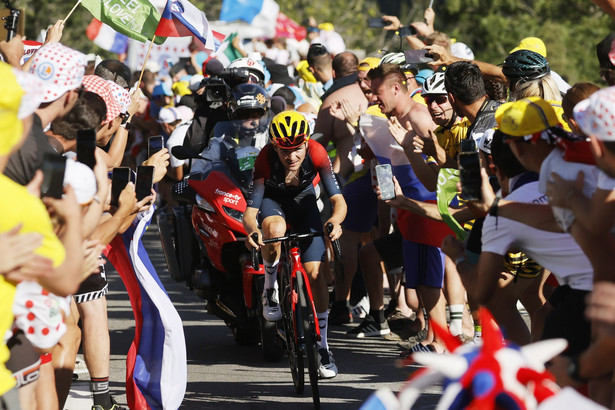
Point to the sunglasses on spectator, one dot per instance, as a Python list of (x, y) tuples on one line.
[(438, 99)]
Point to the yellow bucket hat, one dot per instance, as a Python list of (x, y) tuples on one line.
[(526, 117), (11, 127)]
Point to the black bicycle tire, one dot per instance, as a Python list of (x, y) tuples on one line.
[(295, 354), (310, 337)]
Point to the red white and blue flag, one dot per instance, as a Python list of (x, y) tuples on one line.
[(181, 18), (156, 368), (106, 37)]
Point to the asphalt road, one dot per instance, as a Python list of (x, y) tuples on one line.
[(221, 373)]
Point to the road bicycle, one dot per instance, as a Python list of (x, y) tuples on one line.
[(300, 323)]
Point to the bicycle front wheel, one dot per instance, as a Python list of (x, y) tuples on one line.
[(295, 352), (309, 323)]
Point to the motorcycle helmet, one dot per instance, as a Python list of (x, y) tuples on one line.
[(525, 65), (289, 129), (247, 98), (254, 67), (434, 85)]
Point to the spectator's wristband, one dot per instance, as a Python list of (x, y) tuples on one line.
[(126, 126), (573, 370), (493, 209)]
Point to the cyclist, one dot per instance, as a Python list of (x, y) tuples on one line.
[(283, 192)]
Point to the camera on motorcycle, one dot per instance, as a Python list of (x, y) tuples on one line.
[(184, 152)]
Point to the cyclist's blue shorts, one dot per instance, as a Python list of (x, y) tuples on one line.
[(423, 265), (362, 204), (301, 213)]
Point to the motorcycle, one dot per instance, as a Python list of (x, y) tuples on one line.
[(209, 221)]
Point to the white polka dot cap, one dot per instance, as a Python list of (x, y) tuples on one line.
[(596, 115), (60, 68), (34, 92), (121, 95)]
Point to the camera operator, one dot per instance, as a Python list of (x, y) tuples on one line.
[(214, 95), (235, 144)]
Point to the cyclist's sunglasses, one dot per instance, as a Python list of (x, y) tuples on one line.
[(438, 99)]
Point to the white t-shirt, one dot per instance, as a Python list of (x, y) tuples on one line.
[(568, 170), (557, 252), (177, 138), (605, 182)]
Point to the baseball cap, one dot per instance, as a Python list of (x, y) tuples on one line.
[(168, 115), (484, 141), (100, 86), (533, 44), (596, 114), (81, 178), (120, 94), (423, 75), (525, 117), (195, 82), (461, 50), (162, 89), (185, 113), (368, 63), (10, 100), (60, 68)]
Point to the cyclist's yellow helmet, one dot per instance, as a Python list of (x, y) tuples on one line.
[(289, 129)]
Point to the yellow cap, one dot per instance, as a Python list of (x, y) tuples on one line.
[(303, 68), (533, 44), (325, 26), (368, 63), (10, 98), (525, 117), (181, 88)]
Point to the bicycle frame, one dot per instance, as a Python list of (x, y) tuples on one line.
[(294, 257)]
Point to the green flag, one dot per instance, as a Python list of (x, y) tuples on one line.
[(447, 190), (226, 52), (136, 19)]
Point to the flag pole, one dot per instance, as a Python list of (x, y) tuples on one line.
[(73, 9), (145, 61)]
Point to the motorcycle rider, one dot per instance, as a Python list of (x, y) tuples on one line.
[(235, 144)]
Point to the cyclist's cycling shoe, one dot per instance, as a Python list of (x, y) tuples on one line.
[(271, 305), (327, 368), (369, 327)]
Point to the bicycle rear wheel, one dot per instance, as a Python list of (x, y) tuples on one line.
[(309, 323), (295, 351)]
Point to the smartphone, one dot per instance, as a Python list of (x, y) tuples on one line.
[(119, 179), (144, 182), (377, 22), (418, 57), (53, 175), (154, 144), (407, 31), (86, 146), (469, 171), (384, 174)]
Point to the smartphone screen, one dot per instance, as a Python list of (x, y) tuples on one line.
[(154, 144), (418, 56), (119, 180), (145, 181), (469, 171), (377, 22), (86, 146), (384, 174), (53, 176)]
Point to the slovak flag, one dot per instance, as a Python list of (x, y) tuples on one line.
[(180, 18), (156, 367)]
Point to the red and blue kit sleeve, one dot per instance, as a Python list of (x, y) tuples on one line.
[(323, 166)]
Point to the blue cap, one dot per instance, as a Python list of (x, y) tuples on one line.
[(162, 89), (423, 75)]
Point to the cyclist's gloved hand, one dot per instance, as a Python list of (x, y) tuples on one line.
[(251, 244), (336, 232)]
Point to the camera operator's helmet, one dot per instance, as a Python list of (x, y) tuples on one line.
[(289, 129), (257, 74), (525, 65), (434, 85), (248, 96)]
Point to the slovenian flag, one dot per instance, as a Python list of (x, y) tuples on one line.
[(180, 18), (259, 13), (156, 368), (106, 38)]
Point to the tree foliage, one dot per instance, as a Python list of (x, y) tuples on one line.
[(569, 28)]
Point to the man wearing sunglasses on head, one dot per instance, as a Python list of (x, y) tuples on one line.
[(451, 127)]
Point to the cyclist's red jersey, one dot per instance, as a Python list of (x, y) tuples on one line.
[(269, 175)]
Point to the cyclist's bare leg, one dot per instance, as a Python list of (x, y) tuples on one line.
[(273, 227)]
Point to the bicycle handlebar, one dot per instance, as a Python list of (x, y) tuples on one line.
[(337, 249)]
